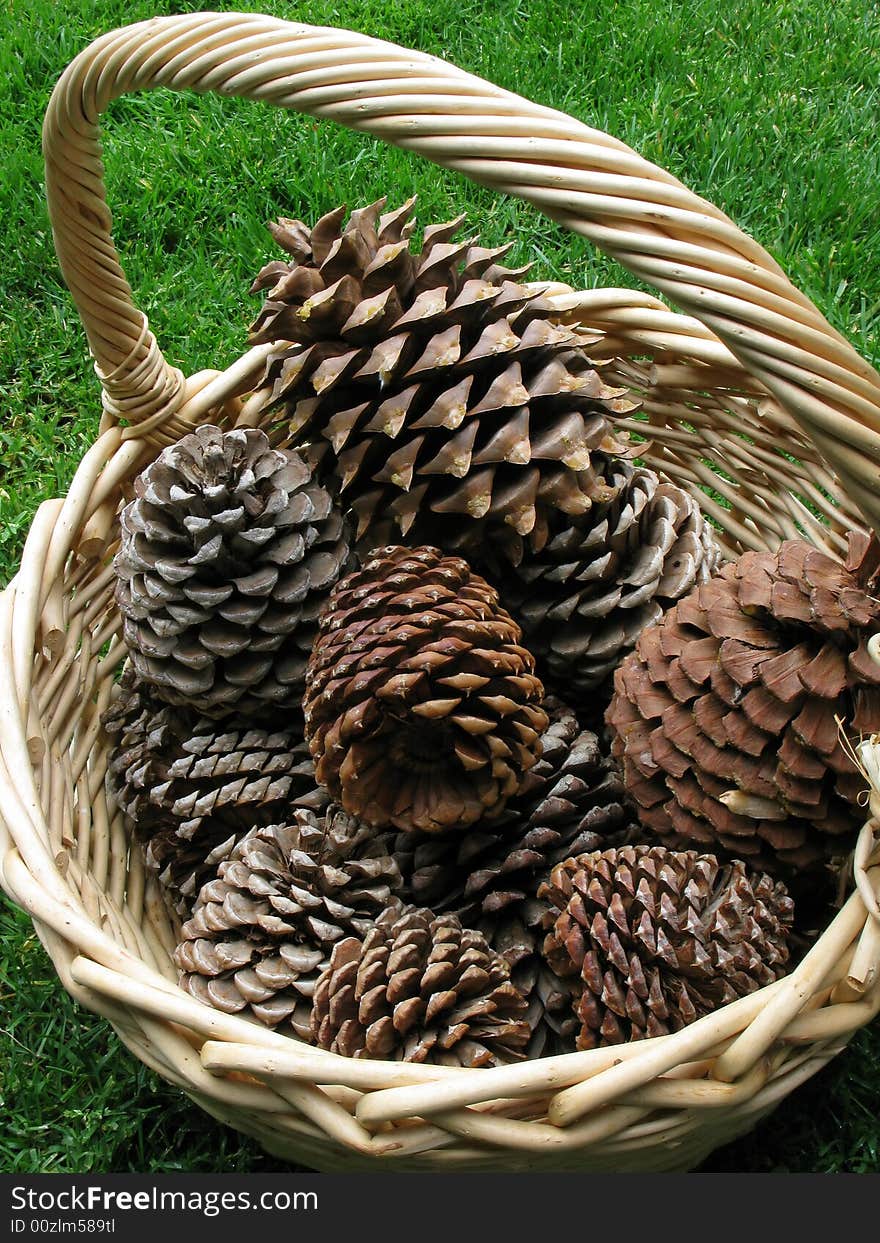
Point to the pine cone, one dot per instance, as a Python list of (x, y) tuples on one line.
[(419, 988), (725, 713), (422, 709), (657, 938), (603, 576), (439, 388), (227, 554), (189, 792), (263, 930)]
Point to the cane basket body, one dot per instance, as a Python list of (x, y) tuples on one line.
[(748, 380)]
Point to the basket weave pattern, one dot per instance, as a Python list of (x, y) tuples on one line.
[(750, 378)]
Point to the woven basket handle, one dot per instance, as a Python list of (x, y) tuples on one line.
[(580, 177)]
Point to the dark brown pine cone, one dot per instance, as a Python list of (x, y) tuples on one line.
[(603, 576), (263, 930), (420, 988), (656, 938), (227, 554), (191, 787), (725, 713), (422, 709), (446, 401)]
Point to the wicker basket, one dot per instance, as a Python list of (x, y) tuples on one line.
[(753, 380)]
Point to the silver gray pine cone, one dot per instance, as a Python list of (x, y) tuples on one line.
[(227, 554)]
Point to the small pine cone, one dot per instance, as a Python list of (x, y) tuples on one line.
[(725, 713), (656, 938), (420, 988), (443, 397), (190, 789), (603, 576), (422, 709), (227, 554), (263, 930)]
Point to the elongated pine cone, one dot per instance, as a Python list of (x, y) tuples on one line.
[(725, 713), (191, 787), (603, 576), (657, 938), (227, 554), (442, 393), (422, 708), (420, 988), (264, 929)]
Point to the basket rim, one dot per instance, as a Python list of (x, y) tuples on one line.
[(739, 1050)]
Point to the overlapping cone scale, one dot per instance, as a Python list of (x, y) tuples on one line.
[(571, 800), (264, 929), (605, 575), (190, 787), (227, 553), (726, 715), (420, 988), (653, 939), (422, 709), (440, 394)]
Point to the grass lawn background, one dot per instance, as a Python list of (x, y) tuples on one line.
[(767, 108)]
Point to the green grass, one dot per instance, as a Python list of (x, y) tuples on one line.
[(766, 107)]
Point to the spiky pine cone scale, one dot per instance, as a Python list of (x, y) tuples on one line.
[(725, 713), (435, 389), (419, 988), (422, 709), (655, 938), (227, 553)]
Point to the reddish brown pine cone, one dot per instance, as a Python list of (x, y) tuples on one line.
[(422, 709), (441, 396), (420, 988), (725, 713), (656, 938)]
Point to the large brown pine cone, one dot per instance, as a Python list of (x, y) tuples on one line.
[(227, 554), (422, 708), (420, 988), (656, 938), (191, 787), (603, 576), (439, 388), (725, 713), (263, 930)]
